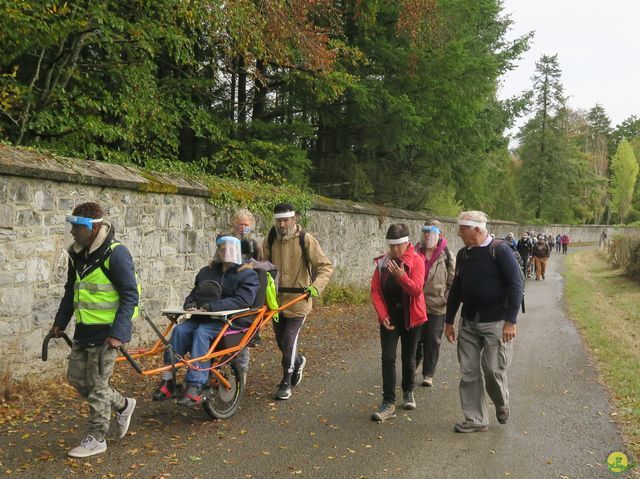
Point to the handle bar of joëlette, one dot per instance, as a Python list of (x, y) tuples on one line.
[(135, 364), (45, 352), (45, 344)]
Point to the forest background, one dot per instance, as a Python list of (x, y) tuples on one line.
[(392, 102)]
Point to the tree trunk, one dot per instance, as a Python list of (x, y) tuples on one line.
[(260, 91), (242, 92)]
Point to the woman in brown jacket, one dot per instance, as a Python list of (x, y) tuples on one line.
[(438, 273)]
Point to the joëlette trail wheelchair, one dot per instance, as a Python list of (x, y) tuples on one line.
[(241, 329)]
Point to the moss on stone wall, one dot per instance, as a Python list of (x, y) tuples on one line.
[(155, 185)]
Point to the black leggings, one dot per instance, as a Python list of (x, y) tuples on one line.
[(389, 342), (287, 331)]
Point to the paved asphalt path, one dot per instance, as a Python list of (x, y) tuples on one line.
[(560, 424)]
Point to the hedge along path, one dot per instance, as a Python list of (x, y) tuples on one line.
[(605, 305)]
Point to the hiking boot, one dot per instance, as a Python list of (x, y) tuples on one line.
[(284, 391), (409, 401), (502, 414), (89, 446), (193, 395), (123, 419), (427, 381), (296, 377), (469, 427), (165, 390), (386, 411)]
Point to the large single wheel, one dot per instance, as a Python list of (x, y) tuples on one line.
[(220, 402)]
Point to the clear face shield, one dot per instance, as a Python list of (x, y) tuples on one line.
[(79, 229), (430, 236), (228, 250)]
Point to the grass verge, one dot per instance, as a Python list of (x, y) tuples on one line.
[(343, 295), (605, 305)]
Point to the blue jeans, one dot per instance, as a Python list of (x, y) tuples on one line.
[(194, 337)]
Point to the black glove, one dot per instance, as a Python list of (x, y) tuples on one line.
[(205, 307), (190, 305)]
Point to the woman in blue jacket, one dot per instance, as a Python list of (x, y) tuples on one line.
[(195, 335)]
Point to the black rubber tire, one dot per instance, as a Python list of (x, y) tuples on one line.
[(221, 403)]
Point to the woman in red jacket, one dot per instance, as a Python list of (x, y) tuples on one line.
[(397, 296)]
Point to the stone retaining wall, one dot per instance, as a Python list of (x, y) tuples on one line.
[(168, 225)]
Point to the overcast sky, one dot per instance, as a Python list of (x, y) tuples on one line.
[(598, 47)]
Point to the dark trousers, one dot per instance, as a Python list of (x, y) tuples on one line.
[(389, 342), (564, 248), (287, 331), (558, 246), (428, 350), (525, 263)]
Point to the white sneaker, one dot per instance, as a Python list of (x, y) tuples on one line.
[(89, 446), (123, 419), (427, 381)]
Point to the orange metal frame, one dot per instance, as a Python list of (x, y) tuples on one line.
[(218, 358)]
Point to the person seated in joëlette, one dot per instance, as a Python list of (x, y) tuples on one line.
[(219, 286)]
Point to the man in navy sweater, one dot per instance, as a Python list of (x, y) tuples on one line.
[(489, 286)]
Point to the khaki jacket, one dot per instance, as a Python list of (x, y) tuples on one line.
[(436, 288), (288, 258)]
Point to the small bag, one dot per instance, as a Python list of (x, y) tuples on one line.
[(208, 291)]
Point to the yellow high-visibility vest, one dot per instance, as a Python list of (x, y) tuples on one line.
[(95, 298)]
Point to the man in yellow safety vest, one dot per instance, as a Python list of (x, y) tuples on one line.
[(103, 293)]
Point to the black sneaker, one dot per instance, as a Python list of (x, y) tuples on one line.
[(296, 377), (284, 391)]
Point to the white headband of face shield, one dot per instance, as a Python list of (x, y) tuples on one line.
[(404, 239), (479, 224), (286, 214)]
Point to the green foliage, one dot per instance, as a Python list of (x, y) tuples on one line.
[(441, 201), (424, 116), (347, 295), (392, 102), (543, 146), (122, 82), (624, 167), (258, 196)]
